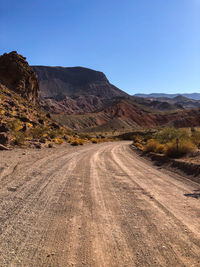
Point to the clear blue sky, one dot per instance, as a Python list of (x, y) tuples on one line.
[(141, 45)]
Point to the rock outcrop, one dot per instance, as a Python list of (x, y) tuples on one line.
[(24, 124), (18, 76)]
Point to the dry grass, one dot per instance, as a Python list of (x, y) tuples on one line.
[(169, 134), (165, 142), (138, 145), (184, 147), (78, 142), (94, 140), (154, 146), (196, 138)]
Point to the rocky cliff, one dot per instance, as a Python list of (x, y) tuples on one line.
[(22, 122), (74, 90), (18, 76)]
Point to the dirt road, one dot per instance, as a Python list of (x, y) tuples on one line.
[(98, 205)]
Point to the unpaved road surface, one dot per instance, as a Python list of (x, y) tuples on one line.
[(98, 205)]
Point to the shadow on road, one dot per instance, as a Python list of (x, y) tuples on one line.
[(196, 194)]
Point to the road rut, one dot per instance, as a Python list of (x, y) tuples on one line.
[(98, 205)]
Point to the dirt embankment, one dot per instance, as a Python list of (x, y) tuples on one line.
[(98, 205), (189, 167)]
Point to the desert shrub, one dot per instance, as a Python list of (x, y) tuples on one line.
[(184, 147), (2, 111), (148, 135), (58, 141), (138, 145), (13, 112), (94, 140), (192, 129), (196, 137), (137, 139), (154, 146), (15, 125), (19, 138), (29, 125), (160, 148), (60, 132), (75, 143), (85, 136), (81, 142), (68, 132), (71, 139), (169, 134), (38, 132), (52, 134)]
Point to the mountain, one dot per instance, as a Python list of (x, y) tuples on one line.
[(185, 102), (79, 98), (22, 122), (195, 96), (75, 90), (125, 115), (80, 90), (179, 101), (158, 104), (84, 100)]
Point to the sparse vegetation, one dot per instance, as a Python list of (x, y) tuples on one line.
[(169, 134), (195, 136), (26, 123), (174, 150), (94, 140), (19, 138), (170, 141), (154, 146)]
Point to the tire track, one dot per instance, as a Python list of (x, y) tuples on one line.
[(99, 206)]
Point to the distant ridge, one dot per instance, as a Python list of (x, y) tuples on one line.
[(85, 100), (195, 96)]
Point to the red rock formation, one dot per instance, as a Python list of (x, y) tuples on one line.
[(74, 90), (17, 75)]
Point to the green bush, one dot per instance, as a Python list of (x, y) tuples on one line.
[(169, 134)]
